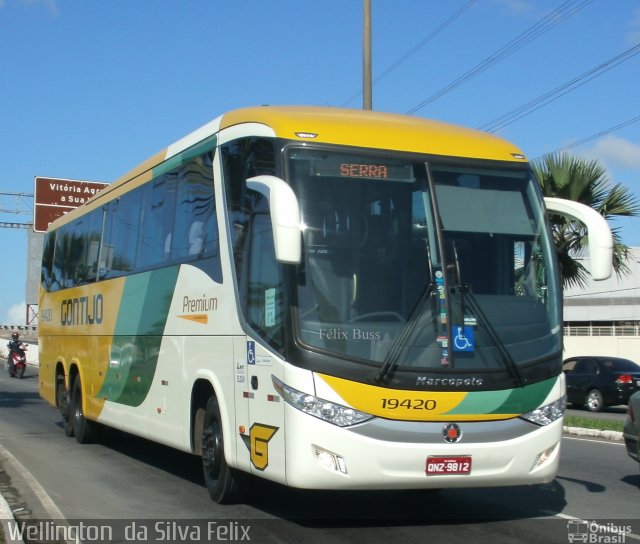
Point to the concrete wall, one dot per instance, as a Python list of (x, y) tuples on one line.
[(627, 347)]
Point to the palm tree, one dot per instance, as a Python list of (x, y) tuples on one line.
[(574, 178)]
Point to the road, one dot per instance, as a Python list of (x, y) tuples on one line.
[(612, 413), (126, 483)]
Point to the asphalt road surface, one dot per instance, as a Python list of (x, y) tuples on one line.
[(127, 489)]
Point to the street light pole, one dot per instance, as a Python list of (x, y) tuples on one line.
[(367, 100)]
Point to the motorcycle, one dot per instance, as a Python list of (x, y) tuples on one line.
[(17, 361)]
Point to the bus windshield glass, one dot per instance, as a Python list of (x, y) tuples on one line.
[(408, 263)]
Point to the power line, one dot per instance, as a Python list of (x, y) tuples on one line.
[(550, 96), (17, 209), (566, 10), (413, 50), (592, 137), (601, 292), (5, 225), (28, 212)]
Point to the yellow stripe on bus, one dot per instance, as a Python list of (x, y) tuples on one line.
[(399, 403)]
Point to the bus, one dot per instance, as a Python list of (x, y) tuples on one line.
[(325, 298)]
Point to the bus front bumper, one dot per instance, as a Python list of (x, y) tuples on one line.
[(406, 455)]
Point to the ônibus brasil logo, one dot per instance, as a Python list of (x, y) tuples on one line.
[(597, 533)]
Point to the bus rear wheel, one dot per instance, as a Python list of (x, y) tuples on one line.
[(224, 484), (62, 396), (84, 430)]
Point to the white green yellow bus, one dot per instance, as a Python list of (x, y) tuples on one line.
[(325, 298)]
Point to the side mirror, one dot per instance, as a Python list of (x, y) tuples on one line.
[(285, 216), (600, 238)]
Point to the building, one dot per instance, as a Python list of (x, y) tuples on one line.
[(604, 318)]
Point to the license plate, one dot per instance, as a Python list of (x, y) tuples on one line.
[(448, 465)]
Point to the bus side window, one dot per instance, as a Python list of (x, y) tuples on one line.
[(60, 256), (266, 287), (93, 235), (195, 235), (242, 159), (46, 271), (194, 207), (75, 266), (156, 221), (121, 235)]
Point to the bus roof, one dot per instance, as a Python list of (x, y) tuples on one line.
[(350, 127), (371, 129)]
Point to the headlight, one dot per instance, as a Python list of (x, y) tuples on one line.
[(339, 415), (548, 413)]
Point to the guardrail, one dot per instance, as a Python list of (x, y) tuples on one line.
[(612, 330), (31, 331), (27, 332)]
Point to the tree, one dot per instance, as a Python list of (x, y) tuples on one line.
[(574, 178)]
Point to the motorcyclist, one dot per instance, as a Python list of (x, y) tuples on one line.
[(14, 345)]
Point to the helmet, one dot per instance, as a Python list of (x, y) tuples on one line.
[(15, 335)]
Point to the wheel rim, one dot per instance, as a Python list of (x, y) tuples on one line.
[(76, 409), (594, 401)]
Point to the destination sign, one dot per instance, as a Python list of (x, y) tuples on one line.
[(327, 164), (392, 171), (364, 171)]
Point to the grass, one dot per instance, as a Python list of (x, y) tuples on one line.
[(590, 423)]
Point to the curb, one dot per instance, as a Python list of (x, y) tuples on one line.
[(6, 516), (612, 436)]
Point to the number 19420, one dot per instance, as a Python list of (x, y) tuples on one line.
[(409, 404)]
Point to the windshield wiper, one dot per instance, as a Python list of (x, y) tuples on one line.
[(465, 289), (391, 360), (507, 360)]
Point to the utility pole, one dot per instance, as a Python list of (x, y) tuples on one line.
[(367, 99)]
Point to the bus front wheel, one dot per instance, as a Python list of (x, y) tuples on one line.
[(225, 485)]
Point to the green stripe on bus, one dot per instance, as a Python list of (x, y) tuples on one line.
[(184, 156), (528, 398), (510, 401), (138, 335)]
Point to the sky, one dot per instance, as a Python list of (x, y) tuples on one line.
[(89, 89)]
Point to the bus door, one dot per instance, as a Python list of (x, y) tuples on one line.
[(261, 290)]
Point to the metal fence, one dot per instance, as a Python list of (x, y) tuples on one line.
[(26, 332), (610, 330)]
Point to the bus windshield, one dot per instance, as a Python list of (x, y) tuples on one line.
[(424, 265)]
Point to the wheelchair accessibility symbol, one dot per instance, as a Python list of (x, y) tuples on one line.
[(463, 338), (251, 352)]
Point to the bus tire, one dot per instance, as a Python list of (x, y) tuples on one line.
[(224, 484), (83, 429), (62, 396)]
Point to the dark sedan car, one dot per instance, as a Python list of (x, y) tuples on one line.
[(600, 381), (631, 431)]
